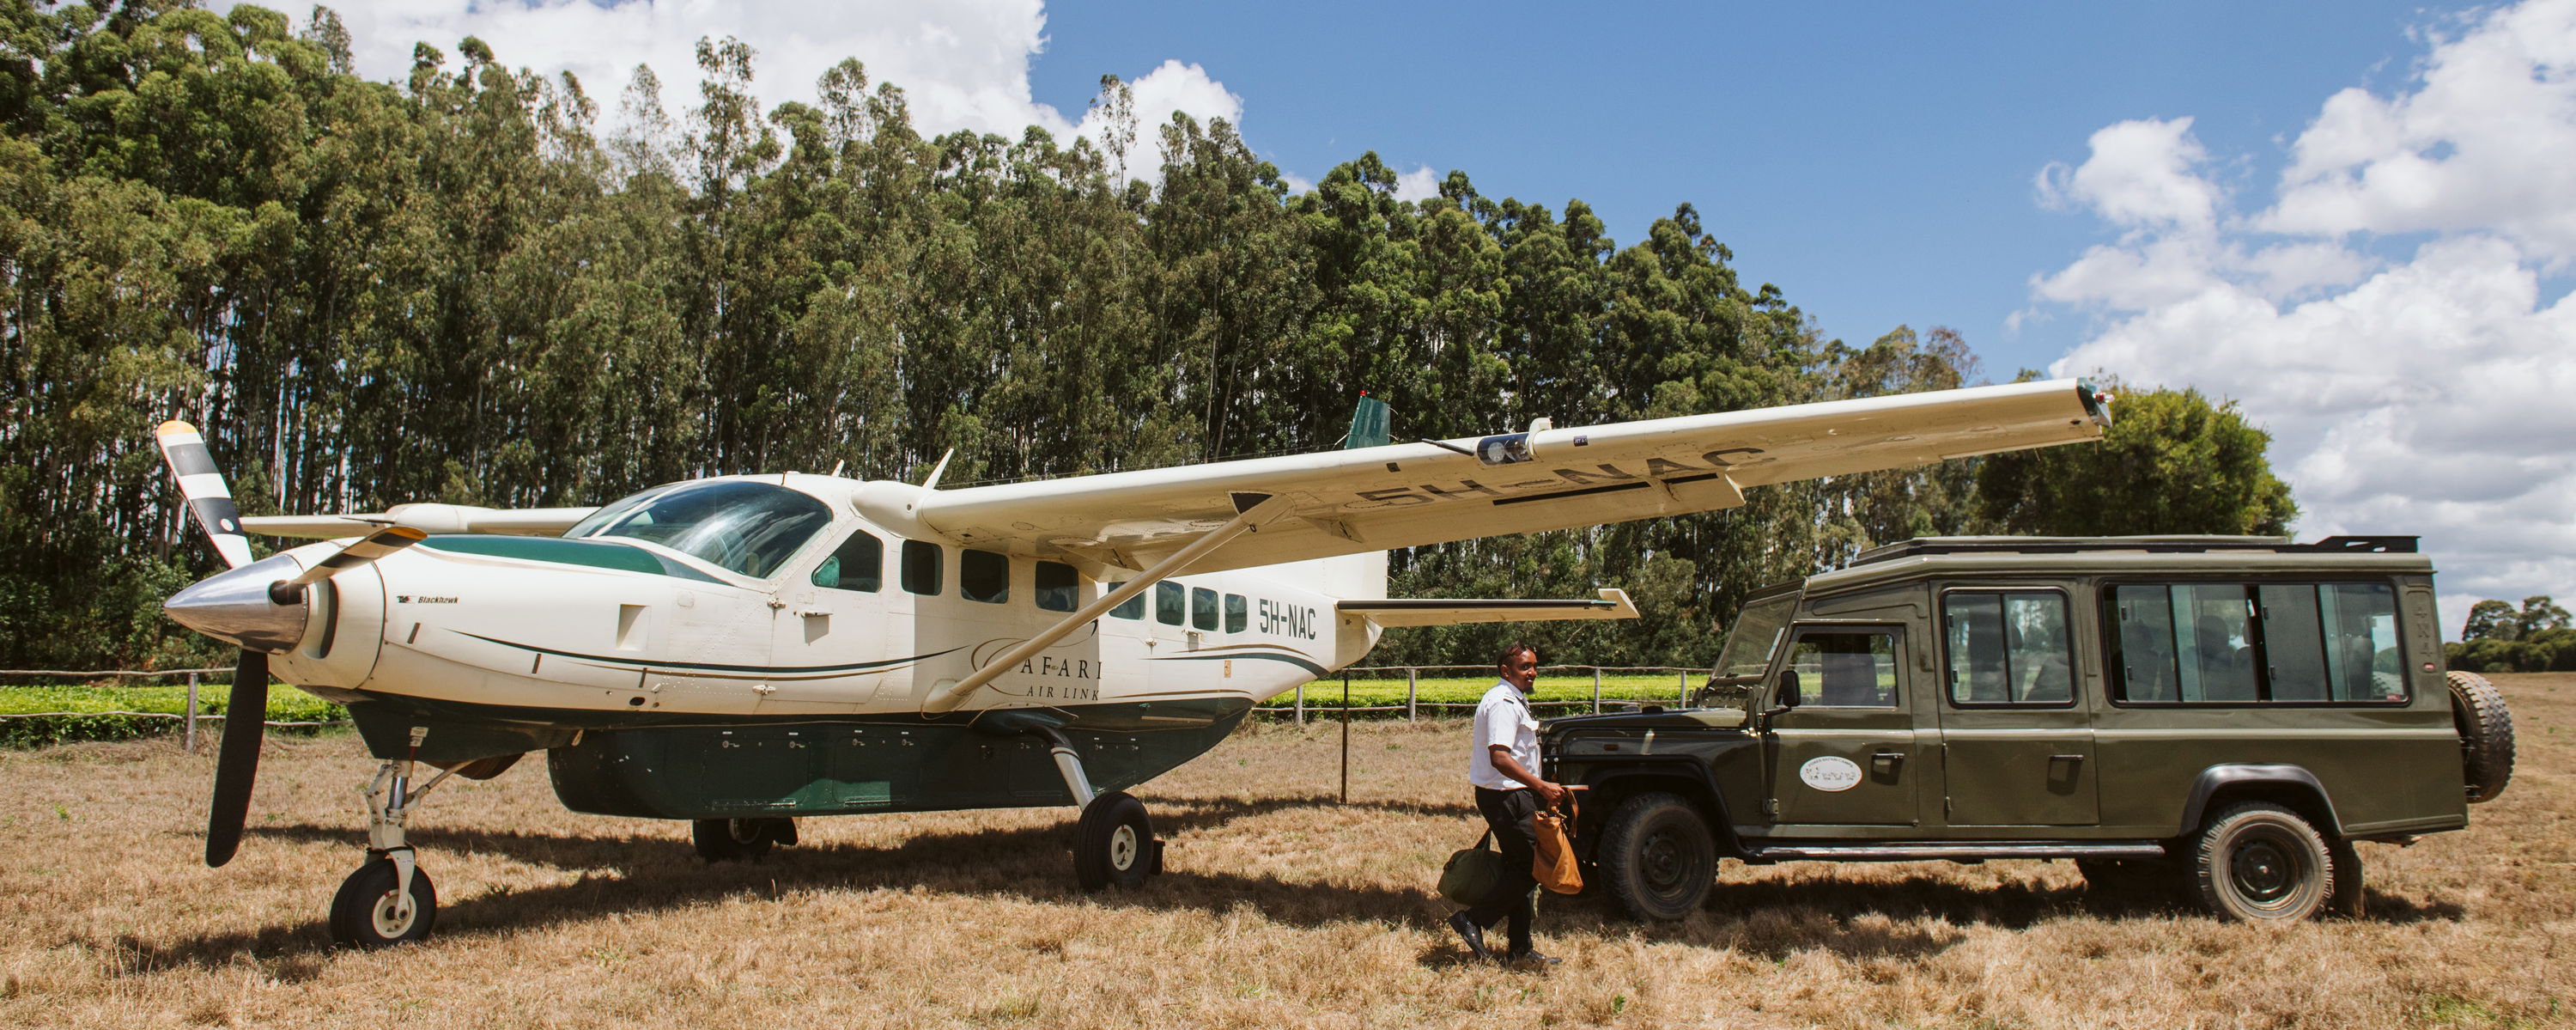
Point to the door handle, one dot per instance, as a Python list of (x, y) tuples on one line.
[(2066, 758), (1887, 760)]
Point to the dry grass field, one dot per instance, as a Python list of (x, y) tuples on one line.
[(1282, 908)]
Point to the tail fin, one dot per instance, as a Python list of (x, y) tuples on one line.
[(1371, 425)]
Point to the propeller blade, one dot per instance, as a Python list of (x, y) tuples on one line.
[(375, 545), (208, 498), (237, 764)]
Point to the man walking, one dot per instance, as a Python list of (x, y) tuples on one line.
[(1504, 769)]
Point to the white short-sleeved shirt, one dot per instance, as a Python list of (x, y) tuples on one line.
[(1503, 717)]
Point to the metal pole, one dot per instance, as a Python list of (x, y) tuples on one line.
[(1410, 685), (1301, 704), (1346, 738), (191, 737), (1596, 690)]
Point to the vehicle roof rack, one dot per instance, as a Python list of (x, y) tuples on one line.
[(2149, 544)]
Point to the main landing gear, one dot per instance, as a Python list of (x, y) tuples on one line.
[(740, 840), (1114, 841)]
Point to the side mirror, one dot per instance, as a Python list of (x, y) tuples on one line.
[(1787, 695)]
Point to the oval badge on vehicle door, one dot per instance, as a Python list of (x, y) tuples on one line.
[(1830, 773)]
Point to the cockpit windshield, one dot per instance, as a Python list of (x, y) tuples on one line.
[(737, 524)]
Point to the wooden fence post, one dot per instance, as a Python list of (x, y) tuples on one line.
[(1596, 690), (1411, 683), (191, 738), (1301, 704)]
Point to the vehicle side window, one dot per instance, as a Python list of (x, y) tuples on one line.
[(2287, 643), (921, 567), (2008, 647), (1238, 613), (1852, 669), (1202, 608), (1131, 608), (1057, 586), (1170, 605), (858, 564), (984, 576)]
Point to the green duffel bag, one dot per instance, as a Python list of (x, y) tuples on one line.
[(1472, 872)]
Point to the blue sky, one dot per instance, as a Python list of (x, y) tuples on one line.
[(2354, 219), (1875, 161)]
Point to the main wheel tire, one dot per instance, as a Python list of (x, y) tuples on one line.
[(2486, 734), (1657, 857), (2261, 863), (1114, 843), (732, 840), (365, 912)]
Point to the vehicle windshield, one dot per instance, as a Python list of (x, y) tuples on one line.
[(739, 525), (1755, 635)]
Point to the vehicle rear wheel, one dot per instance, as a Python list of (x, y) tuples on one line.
[(1657, 857), (2486, 734), (2261, 863)]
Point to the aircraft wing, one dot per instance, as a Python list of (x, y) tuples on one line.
[(428, 518), (1406, 611), (1413, 494)]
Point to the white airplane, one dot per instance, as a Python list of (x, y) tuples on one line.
[(742, 650)]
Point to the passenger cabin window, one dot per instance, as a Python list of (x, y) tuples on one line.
[(1238, 613), (984, 576), (1849, 669), (2008, 647), (1058, 585), (1170, 605), (921, 567), (1131, 608), (858, 564), (1202, 608), (2283, 643)]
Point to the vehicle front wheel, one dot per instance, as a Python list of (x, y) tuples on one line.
[(1657, 857), (2262, 863)]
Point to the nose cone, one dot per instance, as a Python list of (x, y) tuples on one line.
[(235, 607)]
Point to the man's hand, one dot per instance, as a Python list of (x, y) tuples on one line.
[(1504, 763), (1550, 793)]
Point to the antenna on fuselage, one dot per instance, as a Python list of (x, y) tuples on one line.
[(836, 468), (932, 483)]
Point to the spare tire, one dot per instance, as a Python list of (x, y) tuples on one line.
[(2486, 735)]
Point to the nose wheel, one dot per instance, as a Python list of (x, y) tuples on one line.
[(374, 909)]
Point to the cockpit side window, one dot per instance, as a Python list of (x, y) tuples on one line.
[(734, 524), (858, 564)]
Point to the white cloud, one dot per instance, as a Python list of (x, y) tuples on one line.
[(963, 64), (1418, 184), (2426, 392)]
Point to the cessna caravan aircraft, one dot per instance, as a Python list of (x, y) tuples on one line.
[(743, 650)]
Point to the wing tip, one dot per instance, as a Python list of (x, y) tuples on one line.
[(174, 427)]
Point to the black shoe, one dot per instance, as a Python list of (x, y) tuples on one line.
[(1530, 959), (1471, 933)]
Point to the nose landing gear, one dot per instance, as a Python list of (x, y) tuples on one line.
[(389, 900)]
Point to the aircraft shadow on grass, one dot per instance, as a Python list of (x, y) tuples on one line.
[(1772, 919)]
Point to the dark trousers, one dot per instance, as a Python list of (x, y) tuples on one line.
[(1508, 813)]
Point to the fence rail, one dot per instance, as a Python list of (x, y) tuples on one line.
[(193, 716), (1413, 703)]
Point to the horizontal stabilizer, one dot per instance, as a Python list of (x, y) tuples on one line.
[(1438, 611)]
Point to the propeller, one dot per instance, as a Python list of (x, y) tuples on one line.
[(258, 606)]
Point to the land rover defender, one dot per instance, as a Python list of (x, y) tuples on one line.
[(2224, 717)]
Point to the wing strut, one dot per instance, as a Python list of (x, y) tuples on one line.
[(1252, 511)]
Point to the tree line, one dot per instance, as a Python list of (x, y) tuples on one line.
[(452, 288)]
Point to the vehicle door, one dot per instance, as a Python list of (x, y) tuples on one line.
[(829, 647), (2016, 734), (1840, 730)]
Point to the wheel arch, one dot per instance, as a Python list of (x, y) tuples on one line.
[(1608, 785), (2289, 786)]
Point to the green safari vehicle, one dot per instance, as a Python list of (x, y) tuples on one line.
[(2222, 716)]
